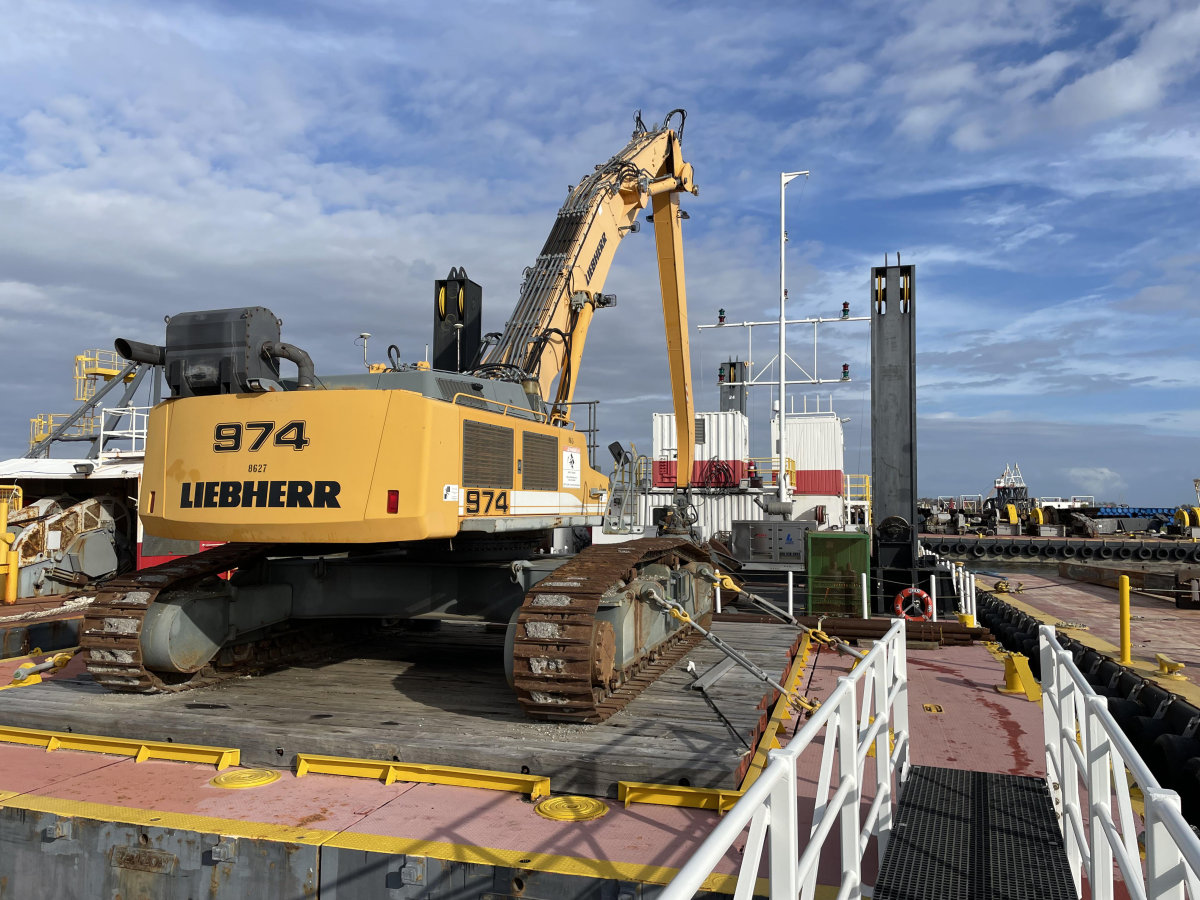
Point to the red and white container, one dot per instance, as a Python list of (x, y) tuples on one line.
[(720, 456), (816, 444)]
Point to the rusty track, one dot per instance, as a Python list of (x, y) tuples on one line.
[(112, 625), (563, 657)]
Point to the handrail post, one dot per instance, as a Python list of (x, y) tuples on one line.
[(847, 743), (1068, 726), (1099, 786), (1164, 858), (784, 835), (1050, 721), (883, 751), (899, 661)]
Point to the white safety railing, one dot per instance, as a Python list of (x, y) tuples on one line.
[(771, 805), (130, 424), (961, 578), (1084, 743)]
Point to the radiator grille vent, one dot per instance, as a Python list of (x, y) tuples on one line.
[(487, 455), (450, 386), (540, 461), (700, 435)]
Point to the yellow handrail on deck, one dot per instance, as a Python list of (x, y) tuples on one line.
[(767, 468), (92, 366), (44, 424)]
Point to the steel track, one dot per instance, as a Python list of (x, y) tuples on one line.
[(559, 650), (112, 625)]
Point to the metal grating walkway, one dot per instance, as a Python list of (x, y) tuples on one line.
[(974, 836)]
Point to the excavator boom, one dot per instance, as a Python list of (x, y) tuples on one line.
[(544, 337)]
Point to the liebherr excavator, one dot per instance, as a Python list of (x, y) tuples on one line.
[(415, 493)]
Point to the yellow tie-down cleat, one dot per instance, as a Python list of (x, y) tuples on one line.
[(31, 673)]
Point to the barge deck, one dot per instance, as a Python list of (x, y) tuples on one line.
[(437, 698), (354, 837)]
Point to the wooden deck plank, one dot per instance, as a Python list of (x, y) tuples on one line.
[(437, 697)]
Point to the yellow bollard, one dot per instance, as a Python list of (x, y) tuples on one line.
[(1018, 679), (8, 557), (10, 578), (1123, 589)]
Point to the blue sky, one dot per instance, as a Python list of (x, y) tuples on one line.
[(1039, 162)]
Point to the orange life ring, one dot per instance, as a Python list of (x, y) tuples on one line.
[(925, 605)]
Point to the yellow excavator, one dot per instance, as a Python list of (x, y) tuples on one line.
[(416, 492)]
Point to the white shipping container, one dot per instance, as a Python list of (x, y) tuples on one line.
[(726, 436), (815, 442)]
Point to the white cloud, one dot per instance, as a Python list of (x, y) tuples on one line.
[(845, 78), (1099, 482), (330, 163)]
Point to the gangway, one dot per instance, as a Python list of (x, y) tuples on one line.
[(945, 834)]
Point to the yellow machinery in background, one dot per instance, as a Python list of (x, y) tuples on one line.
[(91, 368), (415, 492)]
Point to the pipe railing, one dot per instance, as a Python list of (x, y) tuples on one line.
[(770, 807), (1085, 744), (962, 580)]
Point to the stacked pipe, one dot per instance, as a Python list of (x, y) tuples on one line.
[(1162, 726)]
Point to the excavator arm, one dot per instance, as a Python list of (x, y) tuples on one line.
[(542, 343)]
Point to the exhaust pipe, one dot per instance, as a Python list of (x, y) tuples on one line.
[(136, 351), (306, 380)]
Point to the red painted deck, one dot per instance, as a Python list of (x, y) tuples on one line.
[(979, 729)]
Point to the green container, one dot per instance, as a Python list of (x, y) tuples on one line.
[(836, 563)]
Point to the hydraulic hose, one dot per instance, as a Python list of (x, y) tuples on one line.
[(306, 378)]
